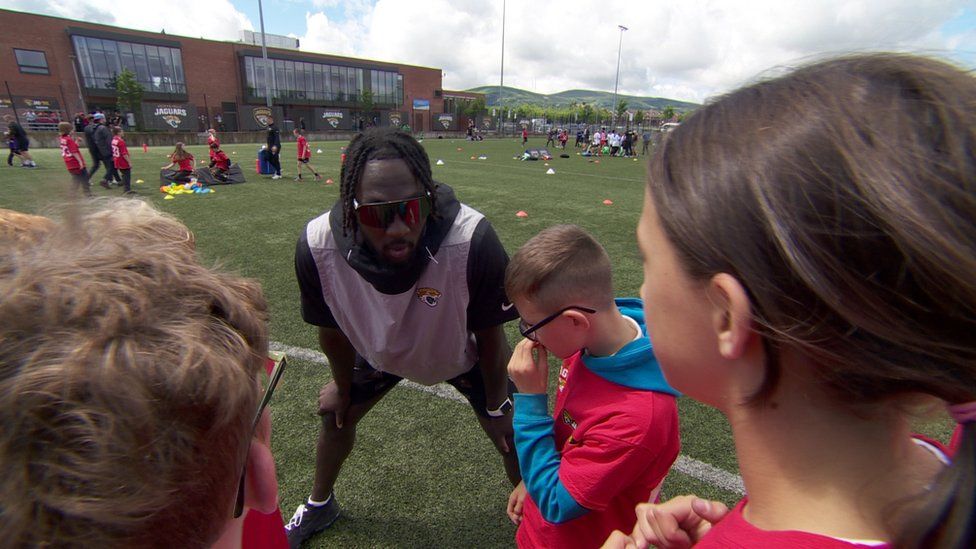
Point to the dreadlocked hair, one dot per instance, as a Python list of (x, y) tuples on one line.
[(381, 144)]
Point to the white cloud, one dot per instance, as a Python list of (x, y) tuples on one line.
[(685, 49), (213, 19)]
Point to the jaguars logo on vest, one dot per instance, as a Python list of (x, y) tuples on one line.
[(428, 296)]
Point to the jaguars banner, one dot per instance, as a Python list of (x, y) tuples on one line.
[(169, 116), (333, 119), (395, 119), (445, 121)]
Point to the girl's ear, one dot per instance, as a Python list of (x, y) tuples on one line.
[(731, 315)]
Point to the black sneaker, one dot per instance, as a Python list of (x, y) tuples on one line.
[(104, 184), (309, 520)]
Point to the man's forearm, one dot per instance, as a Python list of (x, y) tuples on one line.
[(493, 356)]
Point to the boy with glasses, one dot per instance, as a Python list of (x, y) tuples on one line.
[(402, 281), (614, 432)]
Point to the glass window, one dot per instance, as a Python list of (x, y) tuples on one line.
[(335, 83), (125, 57), (278, 82), (142, 65), (84, 60), (111, 57), (178, 67), (32, 62), (157, 68), (101, 76), (317, 84), (290, 78), (166, 62)]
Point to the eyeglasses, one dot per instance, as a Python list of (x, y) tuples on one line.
[(528, 331), (279, 368), (381, 215)]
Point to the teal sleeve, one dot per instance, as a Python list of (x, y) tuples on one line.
[(539, 459)]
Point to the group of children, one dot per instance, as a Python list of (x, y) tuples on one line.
[(75, 162), (612, 143), (181, 160)]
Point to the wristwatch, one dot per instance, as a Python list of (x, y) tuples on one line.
[(503, 409)]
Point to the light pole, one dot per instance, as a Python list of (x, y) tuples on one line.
[(613, 106), (501, 82), (264, 55)]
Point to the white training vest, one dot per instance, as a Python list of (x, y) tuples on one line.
[(421, 334)]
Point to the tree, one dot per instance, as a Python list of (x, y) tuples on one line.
[(474, 107), (587, 114), (129, 92), (621, 109), (639, 117), (366, 102), (668, 113)]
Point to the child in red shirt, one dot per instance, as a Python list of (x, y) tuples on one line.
[(120, 155), (613, 434), (73, 160), (183, 160), (304, 154), (219, 162), (212, 138)]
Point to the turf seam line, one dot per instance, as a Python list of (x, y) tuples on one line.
[(699, 470)]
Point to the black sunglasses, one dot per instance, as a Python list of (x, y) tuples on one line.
[(279, 368), (528, 331)]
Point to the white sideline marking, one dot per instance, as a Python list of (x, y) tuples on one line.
[(690, 466)]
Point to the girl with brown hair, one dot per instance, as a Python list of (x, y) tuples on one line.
[(184, 162), (809, 253)]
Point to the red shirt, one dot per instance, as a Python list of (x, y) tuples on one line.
[(120, 153), (211, 139), (220, 159), (186, 165), (68, 151), (735, 531), (303, 150), (616, 445)]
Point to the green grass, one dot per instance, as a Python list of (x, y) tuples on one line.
[(422, 473)]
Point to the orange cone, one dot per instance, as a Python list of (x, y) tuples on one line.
[(521, 213), (608, 202)]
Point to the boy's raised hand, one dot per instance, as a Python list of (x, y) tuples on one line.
[(530, 373)]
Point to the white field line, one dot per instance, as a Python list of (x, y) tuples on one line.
[(690, 466)]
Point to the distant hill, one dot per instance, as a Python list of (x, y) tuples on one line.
[(516, 96)]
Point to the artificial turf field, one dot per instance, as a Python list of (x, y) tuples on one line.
[(422, 474)]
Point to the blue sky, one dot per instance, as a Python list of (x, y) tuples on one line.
[(681, 49), (288, 16)]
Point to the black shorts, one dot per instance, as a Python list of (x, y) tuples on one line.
[(303, 160), (368, 382)]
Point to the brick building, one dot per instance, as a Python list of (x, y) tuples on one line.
[(53, 68)]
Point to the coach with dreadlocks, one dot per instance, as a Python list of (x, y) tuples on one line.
[(403, 281)]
